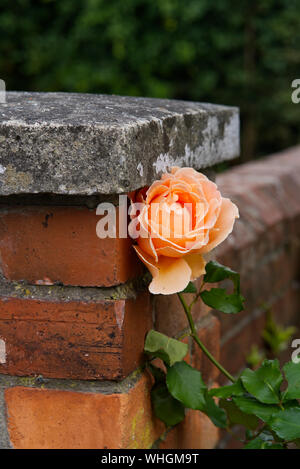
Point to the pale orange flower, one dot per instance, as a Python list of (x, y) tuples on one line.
[(177, 220)]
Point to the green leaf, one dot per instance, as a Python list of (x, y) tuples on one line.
[(166, 408), (238, 417), (286, 424), (186, 384), (264, 383), (274, 446), (190, 288), (214, 412), (216, 272), (249, 405), (256, 443), (235, 389), (263, 441), (292, 373), (218, 298), (161, 346)]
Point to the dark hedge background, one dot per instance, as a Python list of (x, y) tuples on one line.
[(238, 52)]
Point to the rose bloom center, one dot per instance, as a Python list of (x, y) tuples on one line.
[(169, 218)]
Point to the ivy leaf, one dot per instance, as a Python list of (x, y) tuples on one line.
[(216, 272), (161, 346), (274, 446), (218, 298), (292, 373), (190, 288), (165, 407), (286, 424), (238, 417), (264, 383), (224, 392), (249, 405), (216, 414), (263, 441), (185, 384)]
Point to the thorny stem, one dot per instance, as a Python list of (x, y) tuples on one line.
[(187, 310)]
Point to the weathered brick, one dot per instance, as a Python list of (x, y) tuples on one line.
[(195, 432), (82, 339), (261, 285), (286, 309), (235, 349), (55, 244), (55, 419)]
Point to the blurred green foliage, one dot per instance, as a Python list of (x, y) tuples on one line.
[(277, 337), (236, 52)]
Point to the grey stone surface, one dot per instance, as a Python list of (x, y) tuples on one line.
[(39, 382), (4, 438), (65, 143), (60, 293)]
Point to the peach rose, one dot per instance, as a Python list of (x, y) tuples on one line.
[(177, 220)]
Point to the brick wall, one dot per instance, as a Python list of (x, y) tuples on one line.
[(74, 313), (265, 249)]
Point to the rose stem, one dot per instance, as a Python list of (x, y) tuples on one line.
[(198, 341)]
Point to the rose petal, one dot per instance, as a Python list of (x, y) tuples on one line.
[(170, 275), (188, 174), (156, 189), (147, 246), (170, 251), (197, 265), (224, 225)]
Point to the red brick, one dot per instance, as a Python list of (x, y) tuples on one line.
[(195, 432), (236, 348), (55, 419), (47, 245), (286, 309), (267, 194), (74, 339), (209, 334), (52, 419), (262, 284)]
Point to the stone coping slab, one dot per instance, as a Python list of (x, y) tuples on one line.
[(84, 144)]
